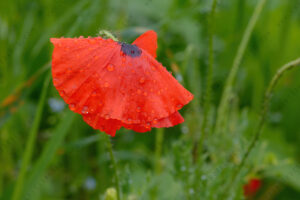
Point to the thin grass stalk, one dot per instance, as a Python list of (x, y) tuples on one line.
[(31, 141), (236, 63), (207, 96), (115, 166), (264, 111)]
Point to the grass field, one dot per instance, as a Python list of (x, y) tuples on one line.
[(242, 124)]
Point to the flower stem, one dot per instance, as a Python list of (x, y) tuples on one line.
[(207, 96), (115, 166), (264, 111), (236, 63), (159, 137), (17, 194)]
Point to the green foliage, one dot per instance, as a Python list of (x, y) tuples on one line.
[(70, 160)]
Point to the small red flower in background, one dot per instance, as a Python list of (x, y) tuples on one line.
[(115, 84), (252, 187)]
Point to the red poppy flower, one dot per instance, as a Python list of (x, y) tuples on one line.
[(115, 84), (251, 188)]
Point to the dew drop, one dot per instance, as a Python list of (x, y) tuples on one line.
[(106, 84), (81, 37), (110, 67), (129, 120), (85, 110), (72, 106), (155, 121), (69, 70), (147, 125), (138, 109), (178, 106), (145, 93), (56, 81), (124, 59), (142, 80), (106, 116), (139, 91), (63, 93), (94, 93)]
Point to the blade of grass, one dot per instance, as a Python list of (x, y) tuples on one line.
[(38, 171), (31, 141), (236, 63), (207, 96)]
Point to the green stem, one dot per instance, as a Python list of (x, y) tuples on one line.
[(115, 166), (159, 137), (207, 97), (31, 141), (236, 63), (264, 111), (108, 34)]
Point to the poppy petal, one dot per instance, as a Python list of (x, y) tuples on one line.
[(148, 42), (169, 121), (98, 80), (110, 126), (113, 84)]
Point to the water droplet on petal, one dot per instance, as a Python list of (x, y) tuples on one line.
[(142, 80), (138, 109), (81, 37), (85, 110), (155, 121), (178, 106), (129, 120), (139, 91), (106, 116), (106, 84), (72, 106), (145, 93), (147, 125), (69, 70), (56, 81), (94, 93), (110, 67)]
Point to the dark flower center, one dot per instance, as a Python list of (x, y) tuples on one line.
[(130, 50)]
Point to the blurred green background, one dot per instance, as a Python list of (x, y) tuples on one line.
[(70, 159)]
